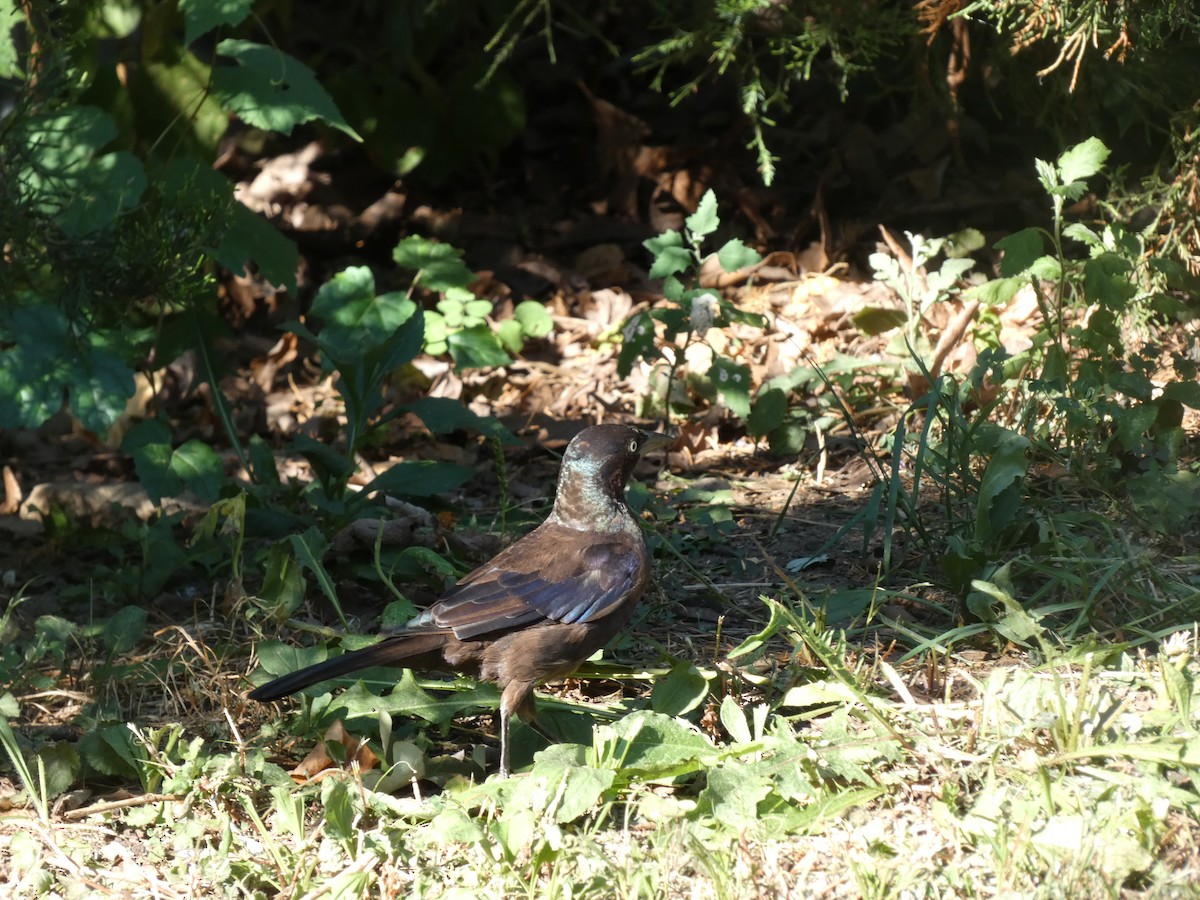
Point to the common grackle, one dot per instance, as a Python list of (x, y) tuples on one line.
[(542, 606)]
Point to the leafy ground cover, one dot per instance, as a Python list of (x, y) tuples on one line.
[(926, 589)]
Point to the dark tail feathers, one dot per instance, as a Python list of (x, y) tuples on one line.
[(397, 650)]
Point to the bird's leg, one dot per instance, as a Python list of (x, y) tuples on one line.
[(505, 715), (517, 697)]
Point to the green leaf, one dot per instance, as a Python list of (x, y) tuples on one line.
[(534, 318), (99, 192), (202, 16), (44, 358), (62, 765), (1083, 160), (476, 348), (670, 254), (652, 745), (443, 415), (271, 90), (733, 718), (10, 18), (732, 382), (736, 255), (872, 320), (963, 243), (439, 266), (421, 478), (999, 490), (637, 343), (124, 629), (680, 691), (996, 292), (770, 406), (309, 549), (731, 796), (1185, 392), (9, 708), (509, 333), (200, 468), (149, 444), (704, 221), (283, 583), (110, 751), (1020, 251), (251, 237), (277, 658)]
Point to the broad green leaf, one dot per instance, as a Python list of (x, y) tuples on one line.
[(535, 320), (10, 18), (732, 382), (149, 444), (339, 809), (439, 266), (421, 478), (999, 490), (1083, 160), (1020, 250), (733, 718), (637, 343), (654, 745), (110, 751), (770, 407), (61, 763), (1077, 231), (873, 320), (509, 333), (100, 191), (962, 243), (282, 590), (277, 658), (9, 708), (200, 468), (670, 261), (44, 357), (443, 415), (731, 795), (996, 292), (1185, 392), (202, 16), (680, 691), (736, 255), (476, 348), (271, 90), (251, 237), (704, 221), (1014, 623), (124, 629)]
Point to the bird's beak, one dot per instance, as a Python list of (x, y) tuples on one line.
[(654, 440)]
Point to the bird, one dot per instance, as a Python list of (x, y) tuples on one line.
[(542, 606)]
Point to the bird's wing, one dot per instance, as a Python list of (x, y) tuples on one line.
[(547, 576)]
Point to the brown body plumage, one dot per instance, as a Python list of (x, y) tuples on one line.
[(539, 608)]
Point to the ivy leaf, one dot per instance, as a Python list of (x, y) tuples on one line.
[(271, 90)]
